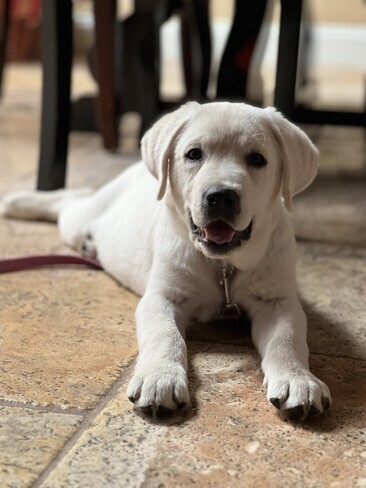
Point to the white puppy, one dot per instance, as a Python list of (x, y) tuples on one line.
[(220, 171)]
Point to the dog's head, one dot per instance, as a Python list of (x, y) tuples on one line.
[(225, 165)]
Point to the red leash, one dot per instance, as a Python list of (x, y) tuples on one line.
[(29, 262)]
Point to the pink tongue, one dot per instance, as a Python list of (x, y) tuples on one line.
[(219, 232)]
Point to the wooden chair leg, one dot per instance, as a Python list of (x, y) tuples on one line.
[(56, 42), (105, 17), (4, 27)]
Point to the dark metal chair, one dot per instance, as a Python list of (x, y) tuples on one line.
[(285, 90), (238, 53)]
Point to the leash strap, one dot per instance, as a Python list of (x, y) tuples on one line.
[(29, 262)]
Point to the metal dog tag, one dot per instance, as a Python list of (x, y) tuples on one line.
[(229, 310)]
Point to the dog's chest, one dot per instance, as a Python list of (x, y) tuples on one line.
[(205, 297), (206, 306), (218, 297)]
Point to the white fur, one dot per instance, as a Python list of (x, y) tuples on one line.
[(147, 244)]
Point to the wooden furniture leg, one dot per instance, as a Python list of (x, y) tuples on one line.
[(4, 27), (105, 17)]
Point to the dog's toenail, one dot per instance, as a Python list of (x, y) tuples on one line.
[(325, 403), (276, 402)]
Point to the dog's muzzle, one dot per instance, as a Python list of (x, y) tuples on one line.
[(219, 236), (220, 206)]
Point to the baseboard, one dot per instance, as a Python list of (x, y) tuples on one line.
[(340, 46), (335, 45)]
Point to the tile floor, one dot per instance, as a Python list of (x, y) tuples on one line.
[(68, 344)]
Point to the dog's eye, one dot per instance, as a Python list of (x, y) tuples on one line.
[(256, 160), (194, 154)]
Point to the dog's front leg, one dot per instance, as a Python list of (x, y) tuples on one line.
[(279, 332), (160, 380)]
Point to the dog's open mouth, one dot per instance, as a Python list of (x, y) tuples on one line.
[(219, 236)]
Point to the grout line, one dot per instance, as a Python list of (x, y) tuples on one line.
[(334, 356), (45, 408), (85, 424)]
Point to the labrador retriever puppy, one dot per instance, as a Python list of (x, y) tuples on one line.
[(212, 208)]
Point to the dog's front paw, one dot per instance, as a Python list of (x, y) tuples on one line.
[(298, 394), (159, 389)]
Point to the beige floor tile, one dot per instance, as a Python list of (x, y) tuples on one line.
[(231, 437), (332, 285), (66, 335), (66, 332), (332, 210), (89, 165), (342, 149), (29, 440), (20, 238)]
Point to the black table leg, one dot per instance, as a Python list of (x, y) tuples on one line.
[(196, 44), (201, 9), (288, 46), (55, 123), (234, 68)]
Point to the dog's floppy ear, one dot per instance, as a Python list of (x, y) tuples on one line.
[(157, 145), (299, 156)]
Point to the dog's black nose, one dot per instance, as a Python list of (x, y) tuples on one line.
[(221, 203)]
